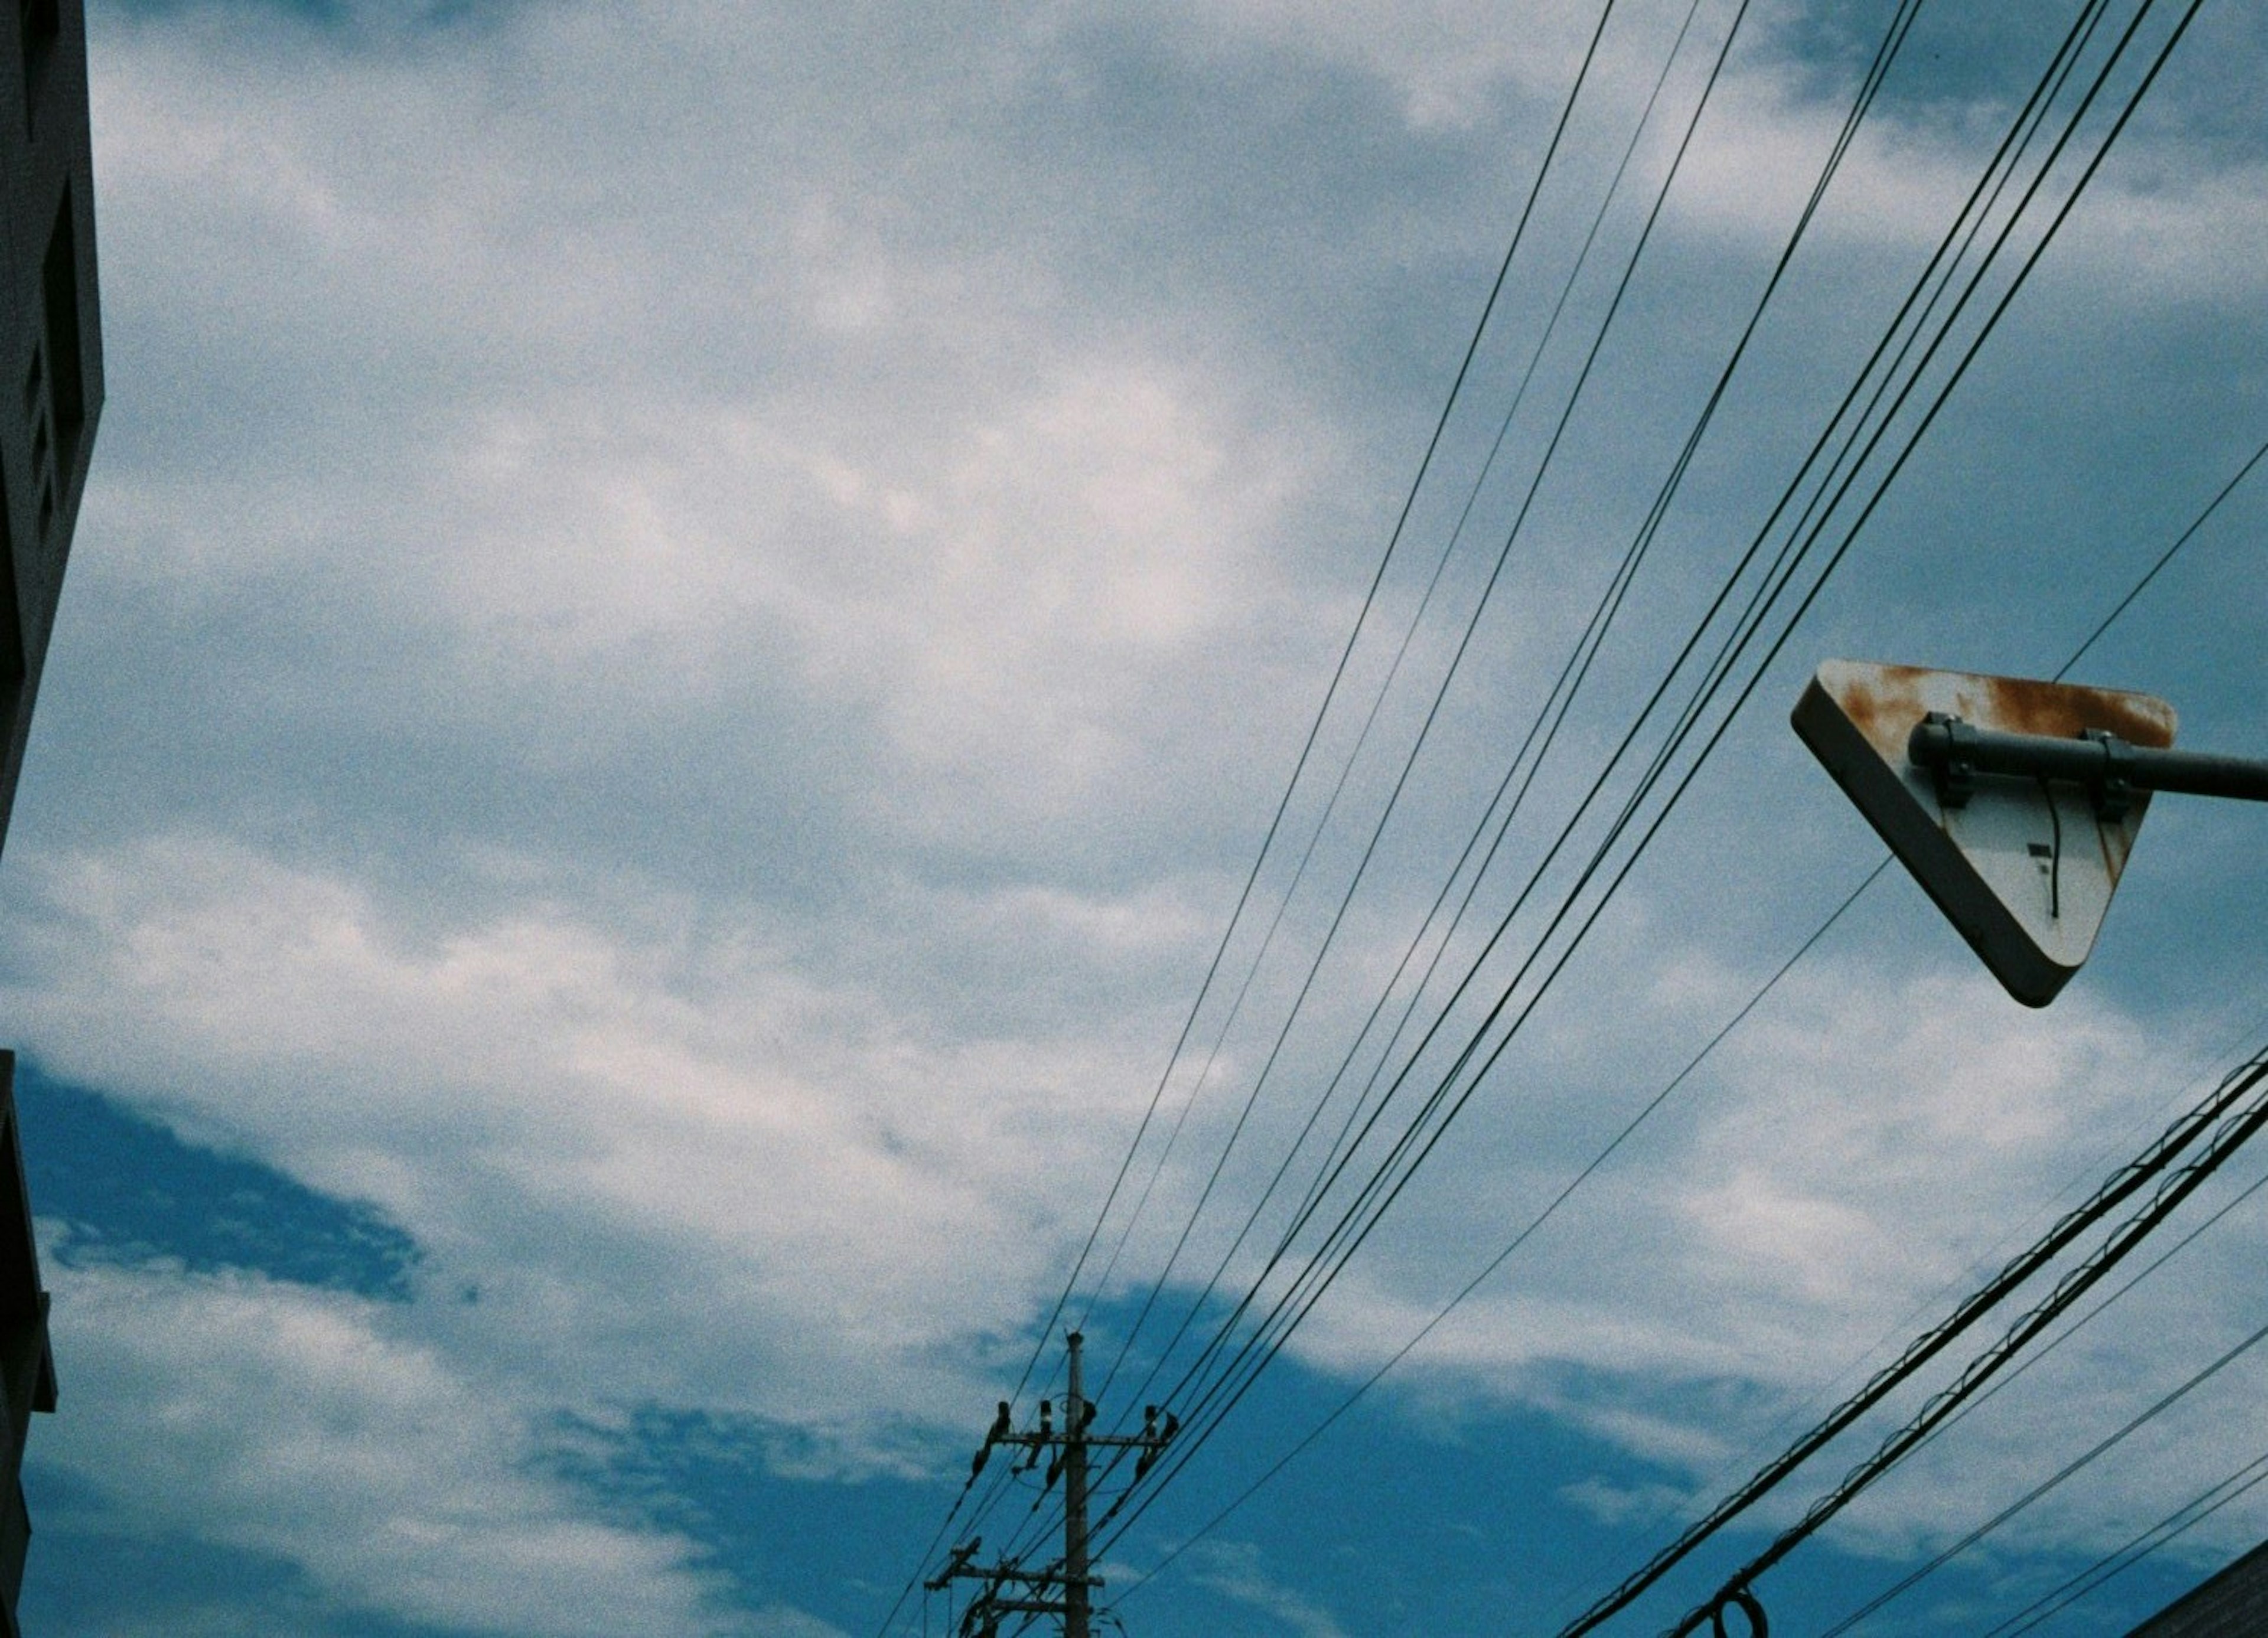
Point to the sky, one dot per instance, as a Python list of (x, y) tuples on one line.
[(688, 621)]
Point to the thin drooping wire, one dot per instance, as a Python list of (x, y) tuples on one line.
[(1409, 503), (1306, 749), (1500, 929), (2224, 1115), (1620, 876), (1998, 309), (1500, 566), (2002, 307), (1593, 637), (2167, 557), (1313, 1194), (1440, 695), (1517, 1241), (1268, 1066), (2234, 1131), (1579, 663), (2077, 1465), (1599, 618), (2137, 1547), (1464, 368), (2161, 564)]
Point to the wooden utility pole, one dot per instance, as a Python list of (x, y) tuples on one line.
[(1070, 1445)]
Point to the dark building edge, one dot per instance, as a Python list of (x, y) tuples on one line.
[(2231, 1605), (51, 393), (51, 375)]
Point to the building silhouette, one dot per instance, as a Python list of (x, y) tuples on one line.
[(50, 397), (2232, 1605)]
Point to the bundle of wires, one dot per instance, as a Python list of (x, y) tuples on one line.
[(1468, 978)]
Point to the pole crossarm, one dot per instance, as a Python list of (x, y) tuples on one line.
[(983, 1617), (998, 1573), (1070, 1442), (1047, 1436)]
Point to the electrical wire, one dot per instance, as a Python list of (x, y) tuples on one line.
[(2136, 1548), (2234, 1124), (1499, 1260), (2078, 1464), (2074, 194), (2122, 1183), (1969, 353), (1441, 694), (1653, 215), (1457, 385), (1410, 500)]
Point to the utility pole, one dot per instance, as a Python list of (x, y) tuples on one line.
[(1075, 1581), (1077, 1414)]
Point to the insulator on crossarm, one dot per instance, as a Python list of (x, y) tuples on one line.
[(955, 1562)]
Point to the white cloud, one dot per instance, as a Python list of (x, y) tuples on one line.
[(1235, 1571), (288, 1422), (712, 602), (599, 1132)]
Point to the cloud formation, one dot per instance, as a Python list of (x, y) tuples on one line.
[(688, 619)]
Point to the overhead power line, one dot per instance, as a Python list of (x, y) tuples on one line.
[(2225, 1121), (1410, 760), (1426, 1130), (1425, 466), (1422, 1135), (1226, 1382), (2171, 1528), (2054, 1481), (1338, 674)]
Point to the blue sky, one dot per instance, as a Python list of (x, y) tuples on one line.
[(688, 620)]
